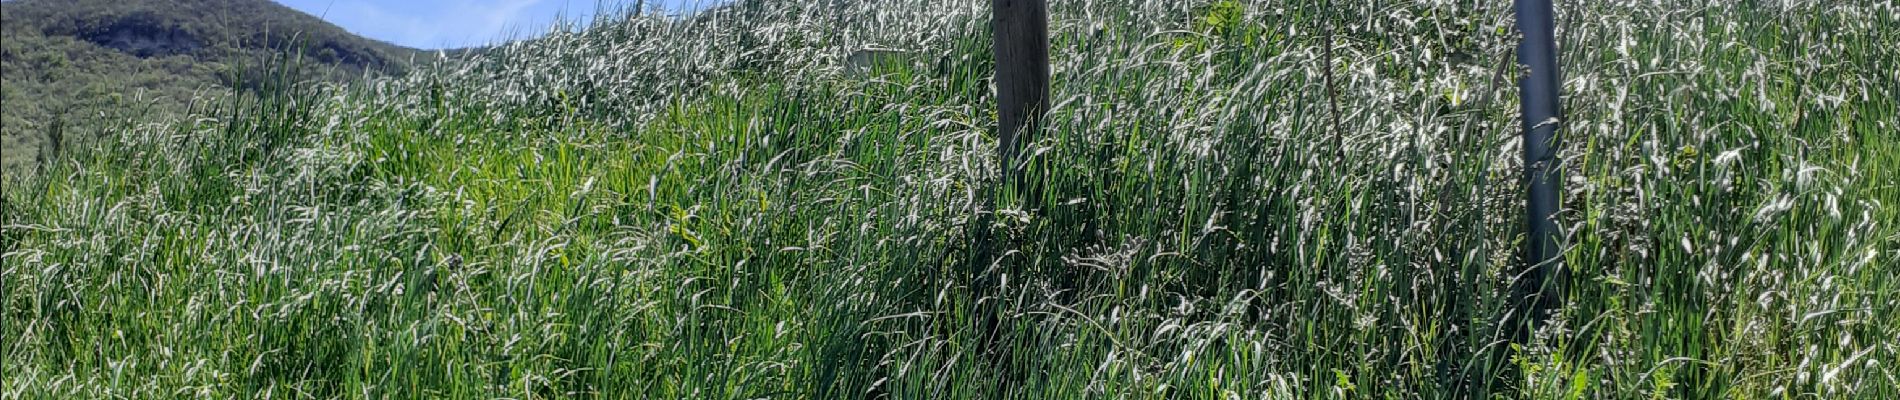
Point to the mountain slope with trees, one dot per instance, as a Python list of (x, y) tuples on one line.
[(72, 68)]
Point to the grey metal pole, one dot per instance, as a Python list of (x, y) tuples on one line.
[(1540, 85)]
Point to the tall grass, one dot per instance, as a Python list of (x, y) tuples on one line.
[(712, 207)]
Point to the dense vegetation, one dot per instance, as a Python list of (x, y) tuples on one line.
[(84, 66), (713, 208)]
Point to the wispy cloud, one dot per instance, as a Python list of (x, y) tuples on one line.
[(445, 23)]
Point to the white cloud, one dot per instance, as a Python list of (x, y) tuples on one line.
[(446, 23)]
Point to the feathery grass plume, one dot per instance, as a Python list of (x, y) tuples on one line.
[(710, 206)]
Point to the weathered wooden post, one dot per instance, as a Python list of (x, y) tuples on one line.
[(1021, 42), (1539, 86)]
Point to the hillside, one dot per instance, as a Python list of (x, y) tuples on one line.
[(80, 66), (721, 207)]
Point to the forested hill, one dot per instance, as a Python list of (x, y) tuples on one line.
[(73, 67)]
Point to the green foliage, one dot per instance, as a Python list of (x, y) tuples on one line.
[(1224, 21), (649, 209)]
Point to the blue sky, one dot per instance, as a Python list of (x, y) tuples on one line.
[(437, 24)]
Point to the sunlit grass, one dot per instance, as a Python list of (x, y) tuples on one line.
[(715, 208)]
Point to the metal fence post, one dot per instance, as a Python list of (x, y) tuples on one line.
[(1540, 85)]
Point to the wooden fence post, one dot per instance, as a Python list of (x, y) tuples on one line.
[(1021, 42)]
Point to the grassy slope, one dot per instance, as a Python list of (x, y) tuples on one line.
[(655, 209), (61, 75)]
